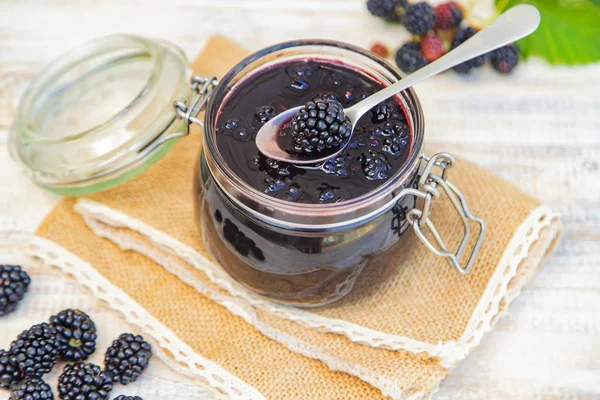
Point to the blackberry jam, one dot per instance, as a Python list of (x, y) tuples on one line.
[(379, 146), (307, 237)]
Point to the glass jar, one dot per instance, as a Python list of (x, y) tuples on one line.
[(312, 254), (105, 112), (100, 114)]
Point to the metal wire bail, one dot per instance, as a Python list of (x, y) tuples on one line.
[(428, 188), (203, 87)]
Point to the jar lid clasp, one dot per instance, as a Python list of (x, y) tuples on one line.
[(203, 87), (428, 189)]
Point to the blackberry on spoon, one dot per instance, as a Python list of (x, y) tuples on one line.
[(123, 397), (320, 125)]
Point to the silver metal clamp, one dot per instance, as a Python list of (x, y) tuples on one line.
[(434, 177), (202, 87)]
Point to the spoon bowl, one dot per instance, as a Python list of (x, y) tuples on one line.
[(514, 24)]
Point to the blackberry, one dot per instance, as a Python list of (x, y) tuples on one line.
[(127, 358), (294, 70), (390, 10), (35, 350), (243, 244), (293, 192), (258, 253), (229, 127), (300, 84), (394, 145), (84, 381), (9, 372), (31, 389), (264, 114), (393, 128), (409, 57), (505, 59), (327, 193), (380, 113), (76, 333), (375, 165), (461, 36), (336, 166), (419, 18), (14, 283), (123, 397), (274, 184), (275, 168), (327, 96), (432, 47), (320, 125), (449, 15), (218, 216)]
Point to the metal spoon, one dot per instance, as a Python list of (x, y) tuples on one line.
[(512, 25)]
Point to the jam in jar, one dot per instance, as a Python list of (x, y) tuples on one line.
[(303, 236)]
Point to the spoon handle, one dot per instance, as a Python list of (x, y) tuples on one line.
[(514, 24)]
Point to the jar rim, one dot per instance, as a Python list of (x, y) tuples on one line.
[(266, 206)]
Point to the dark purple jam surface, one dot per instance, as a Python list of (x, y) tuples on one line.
[(378, 148)]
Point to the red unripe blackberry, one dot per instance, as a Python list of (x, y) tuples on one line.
[(449, 15), (432, 47), (381, 50)]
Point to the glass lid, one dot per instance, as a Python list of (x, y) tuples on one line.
[(100, 114)]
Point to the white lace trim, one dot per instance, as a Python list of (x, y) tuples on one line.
[(96, 215), (171, 350), (500, 292), (450, 352)]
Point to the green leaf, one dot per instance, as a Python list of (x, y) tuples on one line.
[(568, 34)]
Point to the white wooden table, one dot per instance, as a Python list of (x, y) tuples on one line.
[(539, 128)]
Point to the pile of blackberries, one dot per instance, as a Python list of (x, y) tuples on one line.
[(435, 31), (69, 336)]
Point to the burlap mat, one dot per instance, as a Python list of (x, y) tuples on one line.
[(399, 337)]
